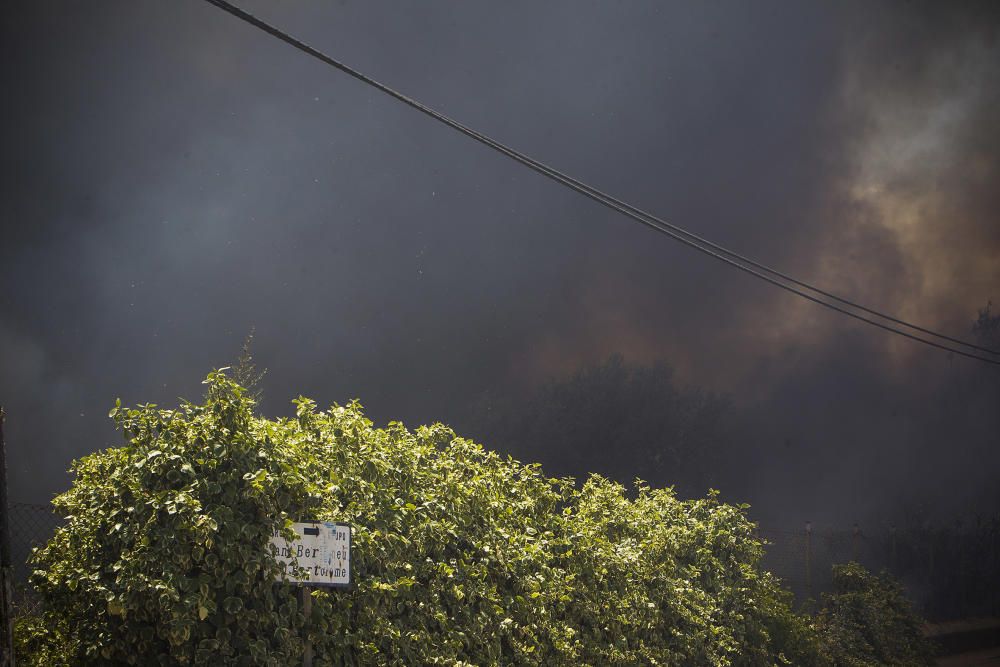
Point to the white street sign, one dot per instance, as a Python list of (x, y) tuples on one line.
[(319, 556)]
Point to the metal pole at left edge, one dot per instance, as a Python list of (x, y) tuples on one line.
[(307, 649), (6, 572)]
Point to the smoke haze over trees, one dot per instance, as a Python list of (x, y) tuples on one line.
[(629, 420), (171, 179), (618, 419)]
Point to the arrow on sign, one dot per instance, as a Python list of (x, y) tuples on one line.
[(310, 531)]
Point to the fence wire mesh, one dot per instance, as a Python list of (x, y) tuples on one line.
[(949, 572), (30, 526)]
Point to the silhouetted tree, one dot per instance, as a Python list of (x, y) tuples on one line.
[(987, 328), (619, 419)]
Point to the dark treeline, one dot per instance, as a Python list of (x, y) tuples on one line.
[(626, 420), (618, 419)]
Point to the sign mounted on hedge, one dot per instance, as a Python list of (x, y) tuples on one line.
[(319, 556)]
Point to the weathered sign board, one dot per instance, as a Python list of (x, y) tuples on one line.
[(319, 556)]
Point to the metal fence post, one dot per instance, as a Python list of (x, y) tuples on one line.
[(960, 559), (6, 571), (930, 555), (893, 555), (994, 565), (809, 530), (307, 650), (855, 537)]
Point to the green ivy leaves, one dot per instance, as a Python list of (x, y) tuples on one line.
[(460, 556)]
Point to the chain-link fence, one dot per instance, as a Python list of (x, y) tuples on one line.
[(949, 572), (30, 526), (804, 558)]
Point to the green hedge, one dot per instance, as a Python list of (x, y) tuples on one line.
[(460, 556), (866, 621)]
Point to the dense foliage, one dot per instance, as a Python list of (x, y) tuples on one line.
[(460, 556), (866, 621)]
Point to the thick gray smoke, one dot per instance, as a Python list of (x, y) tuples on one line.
[(172, 177)]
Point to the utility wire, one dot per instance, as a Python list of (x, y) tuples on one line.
[(678, 233)]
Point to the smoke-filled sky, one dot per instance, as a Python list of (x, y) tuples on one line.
[(173, 177)]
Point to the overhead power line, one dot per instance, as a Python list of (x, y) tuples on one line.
[(734, 259)]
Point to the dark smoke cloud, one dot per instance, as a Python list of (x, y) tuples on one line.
[(172, 178)]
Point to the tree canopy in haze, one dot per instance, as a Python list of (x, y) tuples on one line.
[(618, 419)]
